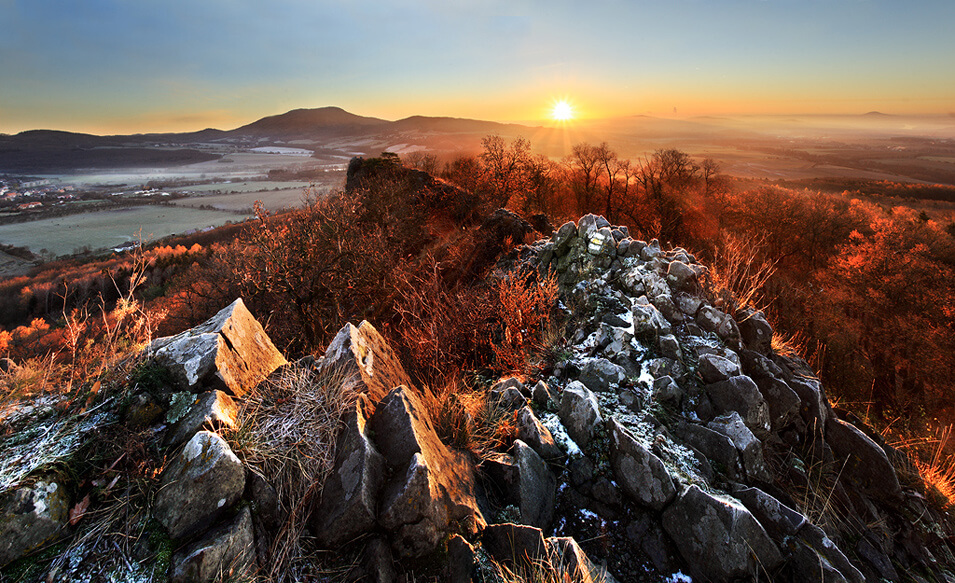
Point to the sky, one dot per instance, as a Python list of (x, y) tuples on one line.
[(129, 66)]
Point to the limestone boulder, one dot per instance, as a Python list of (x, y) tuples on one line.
[(349, 500), (225, 552), (201, 483), (640, 473), (714, 368), (716, 447), (362, 355), (230, 352), (756, 333), (601, 375), (681, 276), (719, 538), (563, 238), (536, 487), (514, 544), (779, 520), (30, 516), (432, 487), (579, 412)]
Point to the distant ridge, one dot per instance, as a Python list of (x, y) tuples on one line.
[(305, 121)]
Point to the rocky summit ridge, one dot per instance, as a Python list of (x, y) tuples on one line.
[(669, 442)]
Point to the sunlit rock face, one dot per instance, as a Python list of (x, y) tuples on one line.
[(230, 352)]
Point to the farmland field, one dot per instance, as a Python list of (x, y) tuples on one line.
[(105, 229)]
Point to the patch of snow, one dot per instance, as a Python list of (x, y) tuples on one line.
[(552, 422), (678, 577)]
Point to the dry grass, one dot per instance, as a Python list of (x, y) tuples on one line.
[(935, 463), (287, 432), (738, 275), (466, 419)]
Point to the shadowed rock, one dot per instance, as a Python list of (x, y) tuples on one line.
[(29, 516), (865, 462), (225, 552), (641, 474)]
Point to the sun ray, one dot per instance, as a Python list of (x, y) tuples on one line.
[(562, 110)]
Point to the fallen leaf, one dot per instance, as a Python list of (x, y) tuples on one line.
[(77, 512)]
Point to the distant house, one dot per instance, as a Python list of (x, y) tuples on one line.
[(29, 205)]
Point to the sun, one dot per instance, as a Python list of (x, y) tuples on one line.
[(562, 111)]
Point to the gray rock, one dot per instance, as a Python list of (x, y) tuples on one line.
[(756, 333), (779, 520), (265, 500), (29, 516), (601, 375), (740, 394), (212, 410), (229, 352), (602, 243), (640, 473), (564, 237), (201, 483), (225, 552), (715, 368), (783, 402), (536, 486), (651, 251), (681, 276), (716, 447), (533, 433), (417, 457), (866, 464), (669, 347), (378, 562), (636, 248), (728, 332), (623, 247), (588, 225), (809, 566), (364, 357), (813, 405), (509, 383), (719, 539), (709, 318), (667, 391), (648, 322), (688, 304), (349, 502), (751, 449), (579, 412)]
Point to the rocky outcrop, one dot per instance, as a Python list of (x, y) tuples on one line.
[(230, 352), (365, 360), (224, 552)]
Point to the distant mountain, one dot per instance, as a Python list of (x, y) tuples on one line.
[(305, 122), (451, 125)]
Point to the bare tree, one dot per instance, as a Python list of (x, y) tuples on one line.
[(505, 167)]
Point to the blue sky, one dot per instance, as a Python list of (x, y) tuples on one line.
[(144, 65)]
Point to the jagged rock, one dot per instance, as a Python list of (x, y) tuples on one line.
[(602, 243), (809, 566), (877, 559), (507, 397), (681, 276), (224, 552), (866, 463), (588, 225), (411, 510), (600, 375), (715, 446), (533, 433), (813, 405), (572, 562), (200, 484), (265, 500), (667, 391), (669, 347), (542, 394), (816, 539), (579, 412), (509, 383), (688, 304), (783, 402), (364, 357), (757, 366), (29, 516), (461, 560), (779, 520), (349, 499), (536, 486), (740, 394), (212, 410), (651, 251), (715, 368), (640, 473), (719, 539), (230, 352), (756, 332), (623, 247), (425, 467), (709, 318), (514, 543), (728, 332), (648, 322), (564, 237), (751, 449)]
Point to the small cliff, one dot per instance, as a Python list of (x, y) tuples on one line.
[(668, 442)]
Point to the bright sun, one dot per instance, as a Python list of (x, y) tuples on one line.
[(562, 111)]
